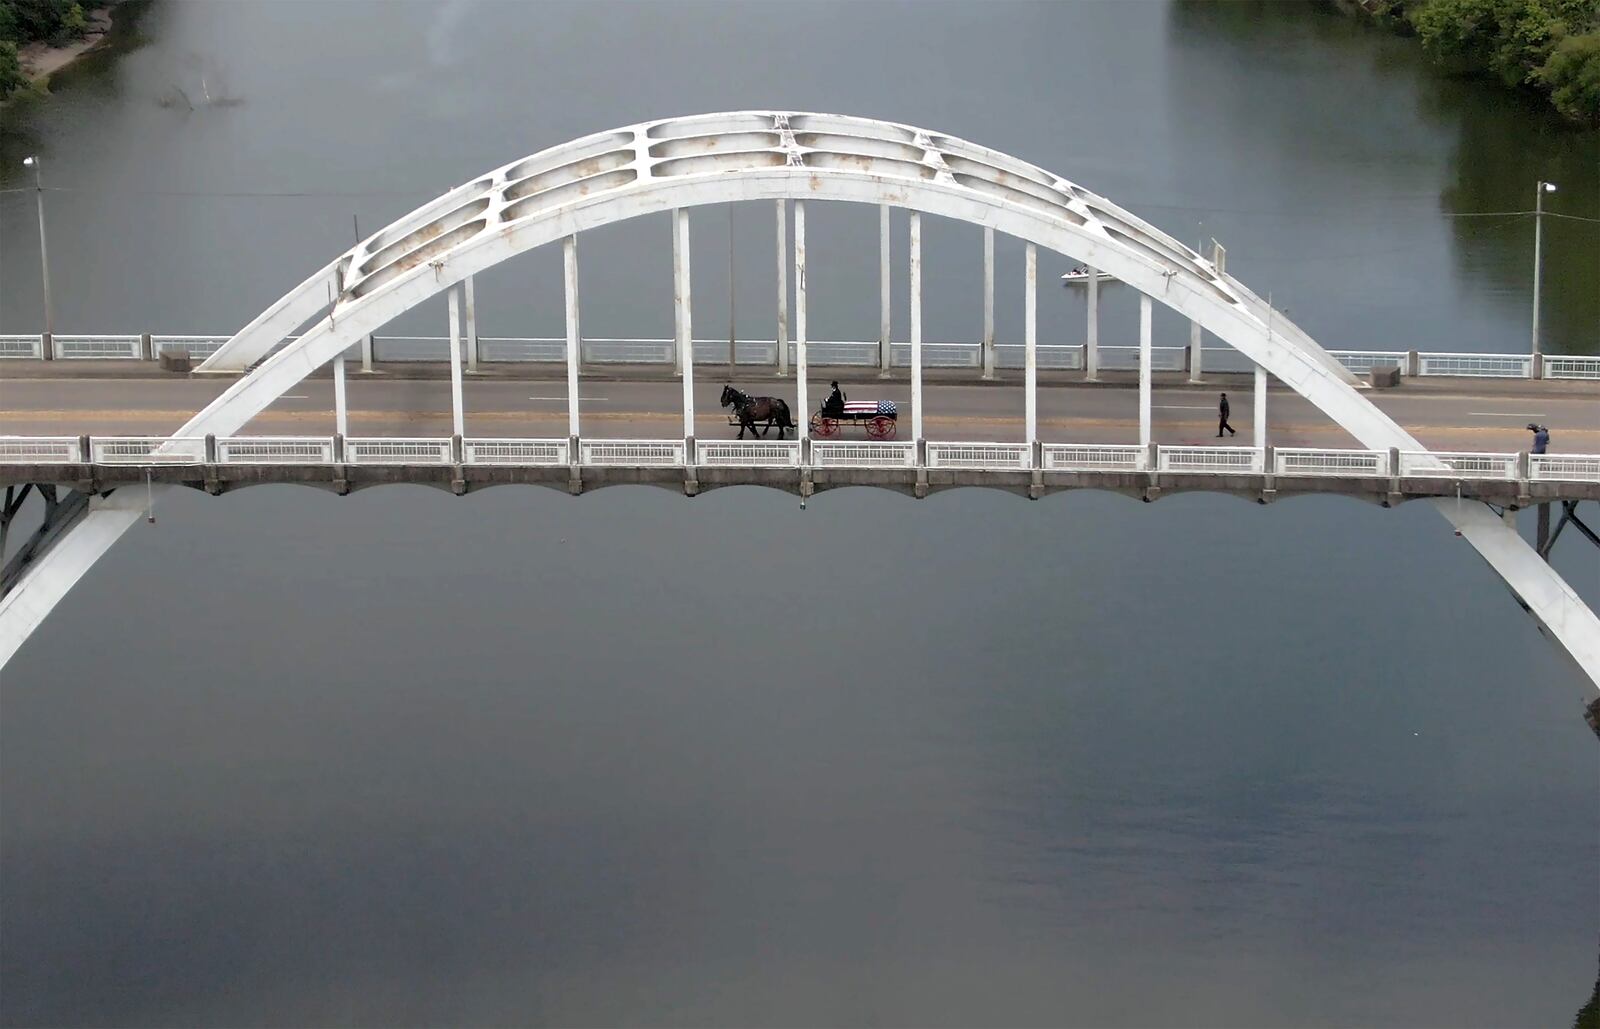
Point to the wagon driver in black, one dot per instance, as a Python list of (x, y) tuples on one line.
[(1222, 417)]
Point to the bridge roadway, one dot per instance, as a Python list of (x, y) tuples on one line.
[(1444, 414)]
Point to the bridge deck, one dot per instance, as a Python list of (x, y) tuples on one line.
[(1444, 414)]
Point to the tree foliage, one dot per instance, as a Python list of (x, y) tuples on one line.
[(1552, 45), (28, 21)]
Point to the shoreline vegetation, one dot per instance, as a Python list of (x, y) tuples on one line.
[(1548, 47), (40, 37)]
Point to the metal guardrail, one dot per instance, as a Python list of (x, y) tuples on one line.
[(1564, 467), (1073, 457), (864, 455), (1306, 461), (516, 451), (825, 353), (1571, 367), (396, 450), (645, 452), (997, 457), (155, 451), (41, 449), (748, 455), (1216, 460), (116, 348), (148, 450), (275, 450), (1457, 464), (1483, 366)]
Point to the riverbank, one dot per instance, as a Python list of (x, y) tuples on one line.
[(1549, 48), (40, 60)]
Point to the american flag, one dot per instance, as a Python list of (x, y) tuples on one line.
[(869, 408)]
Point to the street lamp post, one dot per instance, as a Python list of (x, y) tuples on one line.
[(1538, 238), (44, 260)]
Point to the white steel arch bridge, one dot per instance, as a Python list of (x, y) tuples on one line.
[(679, 163)]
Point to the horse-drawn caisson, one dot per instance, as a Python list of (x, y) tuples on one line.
[(877, 416)]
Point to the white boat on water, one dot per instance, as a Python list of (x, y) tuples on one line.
[(1081, 275)]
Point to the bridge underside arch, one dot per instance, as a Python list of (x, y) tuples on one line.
[(767, 155)]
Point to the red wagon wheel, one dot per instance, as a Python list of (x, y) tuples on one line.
[(882, 427), (824, 427)]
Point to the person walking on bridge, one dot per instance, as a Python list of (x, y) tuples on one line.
[(1541, 437), (1222, 417)]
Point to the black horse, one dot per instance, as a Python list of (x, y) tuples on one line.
[(750, 410)]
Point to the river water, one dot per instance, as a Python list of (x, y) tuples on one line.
[(403, 758)]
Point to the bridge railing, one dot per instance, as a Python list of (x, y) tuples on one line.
[(1289, 462), (1307, 461), (397, 450), (1451, 464), (826, 353)]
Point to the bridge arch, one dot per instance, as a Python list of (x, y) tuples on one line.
[(680, 163)]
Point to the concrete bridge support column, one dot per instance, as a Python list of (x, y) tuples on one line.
[(1144, 369), (569, 262), (916, 328), (783, 288), (802, 403), (1091, 350), (366, 352), (988, 302), (457, 410), (341, 413), (885, 284), (1260, 429), (472, 325), (677, 299), (1196, 352), (1030, 361), (683, 313)]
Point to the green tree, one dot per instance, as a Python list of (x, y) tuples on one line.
[(1509, 38), (11, 77), (1572, 74)]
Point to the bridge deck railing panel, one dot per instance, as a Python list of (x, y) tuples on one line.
[(1363, 361), (99, 348), (1571, 367), (1094, 457), (1482, 366), (516, 451), (41, 449), (1051, 356), (275, 450), (194, 346), (644, 452), (397, 450), (1307, 461), (864, 455), (981, 456), (22, 347), (148, 450), (1210, 459), (1457, 464), (1564, 467), (754, 454)]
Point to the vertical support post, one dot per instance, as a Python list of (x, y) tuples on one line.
[(472, 326), (685, 326), (885, 308), (1538, 253), (916, 327), (1144, 370), (988, 300), (783, 289), (677, 297), (457, 411), (569, 261), (1260, 428), (366, 352), (1196, 351), (341, 415), (802, 403), (1091, 352), (1030, 360)]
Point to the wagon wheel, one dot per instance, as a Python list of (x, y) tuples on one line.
[(824, 427), (882, 427)]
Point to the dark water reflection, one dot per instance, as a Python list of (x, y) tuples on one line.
[(403, 758)]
